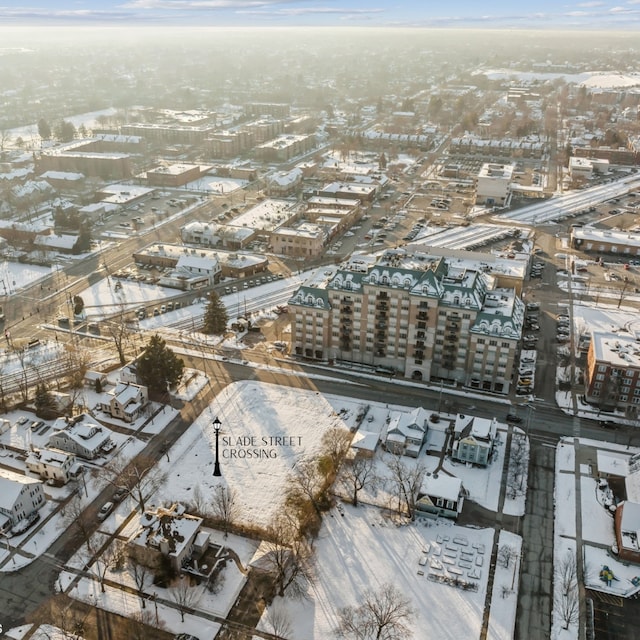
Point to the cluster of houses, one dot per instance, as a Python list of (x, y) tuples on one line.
[(467, 439), (622, 474), (57, 463)]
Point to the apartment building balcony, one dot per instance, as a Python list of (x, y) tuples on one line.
[(423, 315)]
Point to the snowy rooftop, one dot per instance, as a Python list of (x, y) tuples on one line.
[(591, 234), (267, 214), (613, 464), (11, 484), (630, 525), (619, 350), (170, 527), (48, 456), (497, 171), (442, 486)]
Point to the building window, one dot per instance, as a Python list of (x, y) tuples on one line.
[(480, 341)]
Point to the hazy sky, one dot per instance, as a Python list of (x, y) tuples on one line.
[(596, 14)]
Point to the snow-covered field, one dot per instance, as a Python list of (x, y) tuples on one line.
[(265, 430), (364, 550)]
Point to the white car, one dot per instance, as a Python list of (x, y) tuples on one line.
[(105, 510)]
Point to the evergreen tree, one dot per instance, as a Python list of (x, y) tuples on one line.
[(65, 131), (215, 316), (83, 243), (44, 130), (45, 403), (159, 367)]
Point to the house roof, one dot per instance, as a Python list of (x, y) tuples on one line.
[(11, 485), (125, 392), (630, 525), (365, 440), (171, 526), (443, 486), (632, 486), (475, 427), (51, 457), (85, 433), (615, 464)]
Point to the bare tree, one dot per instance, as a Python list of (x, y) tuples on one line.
[(356, 474), (225, 506), (307, 483), (139, 572), (518, 466), (288, 556), (76, 520), (198, 501), (407, 481), (278, 621), (185, 595), (23, 383), (566, 600), (105, 554), (119, 329), (505, 554), (335, 445), (384, 615), (141, 477)]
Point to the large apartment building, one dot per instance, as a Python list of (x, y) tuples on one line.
[(421, 315), (612, 375)]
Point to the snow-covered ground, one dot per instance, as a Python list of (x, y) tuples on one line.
[(364, 550), (584, 525)]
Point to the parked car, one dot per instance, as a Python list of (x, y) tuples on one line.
[(119, 494), (512, 417), (36, 424), (22, 420), (105, 510)]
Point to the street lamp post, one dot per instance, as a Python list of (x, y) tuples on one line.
[(216, 466)]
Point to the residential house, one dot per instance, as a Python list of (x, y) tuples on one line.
[(165, 532), (364, 444), (627, 515), (440, 495), (126, 401), (474, 439), (20, 497), (94, 378), (80, 436), (53, 464), (406, 432)]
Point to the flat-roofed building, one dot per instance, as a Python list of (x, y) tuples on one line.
[(493, 184), (175, 175), (593, 240), (419, 314), (284, 147), (612, 374), (305, 240)]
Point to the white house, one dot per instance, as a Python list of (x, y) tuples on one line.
[(53, 464), (406, 432), (80, 436), (474, 439), (126, 401), (440, 495), (20, 496)]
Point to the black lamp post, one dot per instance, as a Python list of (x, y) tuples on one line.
[(216, 466)]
